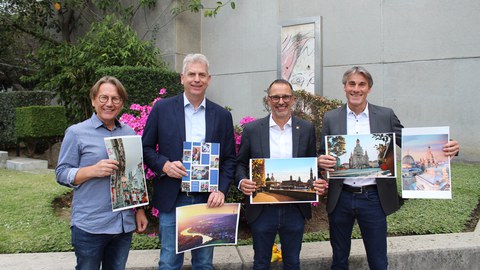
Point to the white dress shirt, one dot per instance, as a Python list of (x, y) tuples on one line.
[(280, 140), (358, 124)]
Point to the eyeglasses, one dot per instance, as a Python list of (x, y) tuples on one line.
[(115, 100), (286, 98)]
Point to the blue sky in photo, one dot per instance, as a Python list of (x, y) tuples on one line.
[(283, 168)]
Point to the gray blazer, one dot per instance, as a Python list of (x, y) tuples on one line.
[(382, 120), (256, 144)]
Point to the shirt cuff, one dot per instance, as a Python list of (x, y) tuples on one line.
[(239, 184), (71, 177)]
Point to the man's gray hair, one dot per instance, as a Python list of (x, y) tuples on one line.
[(194, 58), (359, 70)]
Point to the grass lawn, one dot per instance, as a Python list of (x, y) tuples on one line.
[(29, 224)]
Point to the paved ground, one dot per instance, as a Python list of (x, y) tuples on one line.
[(433, 252)]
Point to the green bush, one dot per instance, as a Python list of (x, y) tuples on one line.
[(8, 102), (143, 83), (40, 121), (36, 124), (69, 69)]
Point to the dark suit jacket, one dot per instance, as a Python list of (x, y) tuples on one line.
[(166, 127), (382, 120), (256, 144)]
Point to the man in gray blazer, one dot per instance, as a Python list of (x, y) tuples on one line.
[(279, 135), (367, 200)]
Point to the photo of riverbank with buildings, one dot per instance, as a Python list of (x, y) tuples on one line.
[(283, 180), (425, 168), (199, 226), (362, 155)]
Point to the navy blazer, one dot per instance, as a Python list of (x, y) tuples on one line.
[(256, 144), (165, 127), (382, 120)]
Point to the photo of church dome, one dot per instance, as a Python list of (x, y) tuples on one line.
[(425, 169), (365, 155)]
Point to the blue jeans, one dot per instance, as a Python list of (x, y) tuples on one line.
[(368, 212), (202, 258), (108, 250), (288, 221)]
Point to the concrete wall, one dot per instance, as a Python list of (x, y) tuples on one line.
[(174, 36), (424, 56)]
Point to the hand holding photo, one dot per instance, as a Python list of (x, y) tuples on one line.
[(199, 226), (283, 180), (202, 161), (128, 188), (362, 155), (425, 168)]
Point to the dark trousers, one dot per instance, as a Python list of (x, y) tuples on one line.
[(108, 250), (366, 209), (288, 222)]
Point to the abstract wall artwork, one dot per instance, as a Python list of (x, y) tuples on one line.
[(300, 56)]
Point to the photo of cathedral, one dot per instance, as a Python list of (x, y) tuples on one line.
[(283, 180), (366, 155), (425, 169)]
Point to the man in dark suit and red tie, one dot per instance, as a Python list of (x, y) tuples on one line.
[(186, 117), (367, 200), (279, 135)]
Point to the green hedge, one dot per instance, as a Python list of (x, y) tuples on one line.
[(40, 121), (142, 83), (11, 100)]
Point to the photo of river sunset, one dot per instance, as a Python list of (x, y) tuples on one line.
[(199, 226)]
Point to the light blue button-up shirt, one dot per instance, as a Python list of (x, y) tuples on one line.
[(83, 146), (195, 123)]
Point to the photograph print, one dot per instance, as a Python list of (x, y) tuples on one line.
[(201, 160), (128, 188), (362, 155), (425, 168), (199, 226), (283, 180)]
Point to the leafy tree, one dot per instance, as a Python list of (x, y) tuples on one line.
[(69, 68), (25, 25), (197, 6), (336, 144)]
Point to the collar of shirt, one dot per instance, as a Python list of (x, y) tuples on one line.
[(272, 123), (358, 124), (97, 123), (186, 103), (195, 123), (280, 140)]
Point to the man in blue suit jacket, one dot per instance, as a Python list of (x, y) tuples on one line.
[(186, 117), (367, 200), (279, 135)]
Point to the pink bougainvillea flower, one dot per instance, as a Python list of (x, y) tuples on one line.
[(246, 119), (155, 212), (162, 91), (155, 101)]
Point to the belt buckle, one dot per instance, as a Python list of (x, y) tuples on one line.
[(359, 192)]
